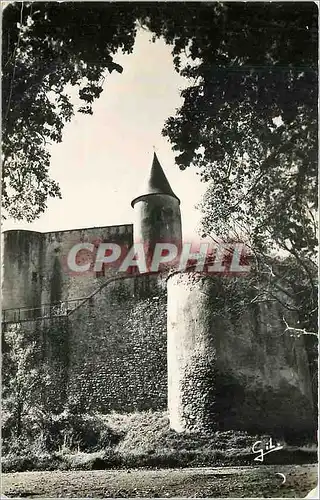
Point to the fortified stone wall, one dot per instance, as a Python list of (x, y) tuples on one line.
[(109, 354), (59, 283), (35, 267), (225, 371), (227, 368), (118, 350)]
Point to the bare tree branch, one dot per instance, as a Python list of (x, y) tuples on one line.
[(297, 332)]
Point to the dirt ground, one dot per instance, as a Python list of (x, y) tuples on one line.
[(233, 482)]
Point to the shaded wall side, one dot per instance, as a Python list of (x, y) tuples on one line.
[(21, 269), (59, 281), (118, 348), (157, 219)]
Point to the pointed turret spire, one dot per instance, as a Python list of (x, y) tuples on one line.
[(157, 183)]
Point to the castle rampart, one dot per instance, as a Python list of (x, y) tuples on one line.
[(140, 342)]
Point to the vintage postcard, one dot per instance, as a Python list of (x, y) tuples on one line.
[(159, 306)]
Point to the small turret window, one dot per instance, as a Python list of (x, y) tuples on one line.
[(157, 217)]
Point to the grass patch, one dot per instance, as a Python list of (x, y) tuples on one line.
[(141, 439)]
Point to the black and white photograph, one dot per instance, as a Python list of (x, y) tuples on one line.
[(159, 249)]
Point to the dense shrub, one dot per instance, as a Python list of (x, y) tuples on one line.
[(31, 461), (42, 432)]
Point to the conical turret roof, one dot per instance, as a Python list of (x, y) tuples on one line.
[(157, 183)]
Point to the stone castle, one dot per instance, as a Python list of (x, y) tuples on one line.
[(129, 343)]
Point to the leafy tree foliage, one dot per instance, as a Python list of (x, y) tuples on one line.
[(249, 120), (249, 124), (47, 46)]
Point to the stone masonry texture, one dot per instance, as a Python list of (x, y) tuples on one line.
[(139, 343)]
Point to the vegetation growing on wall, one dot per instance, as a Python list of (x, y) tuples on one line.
[(35, 364), (25, 378), (142, 439), (241, 81)]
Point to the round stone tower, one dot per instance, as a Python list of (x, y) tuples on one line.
[(157, 211), (233, 370)]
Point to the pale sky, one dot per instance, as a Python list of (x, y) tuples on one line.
[(103, 158)]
